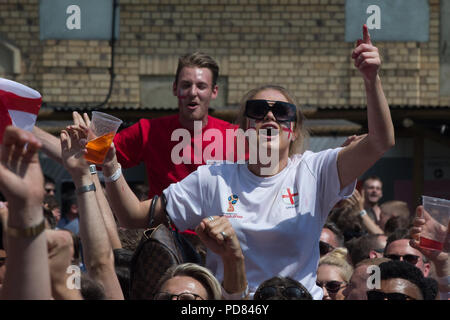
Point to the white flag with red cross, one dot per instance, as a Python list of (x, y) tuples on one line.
[(19, 106)]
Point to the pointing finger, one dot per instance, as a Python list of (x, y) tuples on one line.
[(366, 35)]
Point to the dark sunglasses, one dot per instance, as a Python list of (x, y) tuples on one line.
[(181, 296), (331, 286), (289, 292), (410, 258), (282, 111), (325, 248), (380, 295)]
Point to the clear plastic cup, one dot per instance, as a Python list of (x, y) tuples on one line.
[(102, 130), (436, 215)]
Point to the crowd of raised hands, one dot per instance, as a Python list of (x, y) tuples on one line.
[(40, 261)]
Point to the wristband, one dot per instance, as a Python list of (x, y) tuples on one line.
[(93, 169), (115, 176), (235, 296), (362, 213), (26, 232), (88, 188)]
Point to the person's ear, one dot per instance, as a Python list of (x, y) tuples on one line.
[(215, 91), (174, 89)]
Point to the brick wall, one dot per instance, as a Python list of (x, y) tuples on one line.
[(296, 43)]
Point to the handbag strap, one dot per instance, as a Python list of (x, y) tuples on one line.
[(152, 211)]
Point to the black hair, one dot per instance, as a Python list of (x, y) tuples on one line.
[(359, 248), (48, 179), (404, 270), (282, 282), (336, 231), (48, 215), (398, 234), (396, 223)]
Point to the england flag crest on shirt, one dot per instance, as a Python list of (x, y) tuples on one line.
[(290, 196)]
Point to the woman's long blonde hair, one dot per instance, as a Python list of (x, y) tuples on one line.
[(298, 145)]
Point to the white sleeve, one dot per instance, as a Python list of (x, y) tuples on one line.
[(184, 201), (324, 164)]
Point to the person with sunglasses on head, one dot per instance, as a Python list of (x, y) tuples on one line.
[(400, 280), (281, 288), (333, 274), (279, 200), (330, 238)]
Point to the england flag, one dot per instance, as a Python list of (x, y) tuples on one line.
[(19, 106)]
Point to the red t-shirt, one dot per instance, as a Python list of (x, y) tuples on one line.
[(149, 141)]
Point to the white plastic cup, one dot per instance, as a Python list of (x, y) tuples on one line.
[(102, 130)]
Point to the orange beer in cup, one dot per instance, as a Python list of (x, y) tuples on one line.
[(102, 130), (98, 148)]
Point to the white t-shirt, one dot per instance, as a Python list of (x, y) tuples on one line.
[(278, 220)]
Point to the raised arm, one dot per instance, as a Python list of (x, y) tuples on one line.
[(356, 158), (51, 145), (97, 250), (27, 268), (129, 210)]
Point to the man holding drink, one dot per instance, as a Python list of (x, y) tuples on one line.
[(149, 140)]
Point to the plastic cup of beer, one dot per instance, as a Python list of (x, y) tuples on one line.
[(437, 215), (102, 130)]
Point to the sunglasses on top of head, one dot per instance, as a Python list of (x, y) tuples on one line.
[(282, 111)]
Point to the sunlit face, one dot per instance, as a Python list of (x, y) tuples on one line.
[(272, 134), (326, 273), (194, 91), (183, 284), (401, 247), (373, 191)]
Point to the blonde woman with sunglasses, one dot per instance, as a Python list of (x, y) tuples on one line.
[(278, 201)]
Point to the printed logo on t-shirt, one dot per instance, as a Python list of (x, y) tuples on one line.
[(232, 200), (290, 197)]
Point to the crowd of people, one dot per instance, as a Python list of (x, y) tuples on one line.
[(274, 221)]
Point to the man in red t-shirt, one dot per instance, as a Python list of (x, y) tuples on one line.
[(172, 147), (150, 140)]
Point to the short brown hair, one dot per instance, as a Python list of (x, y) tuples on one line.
[(396, 208), (200, 60)]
